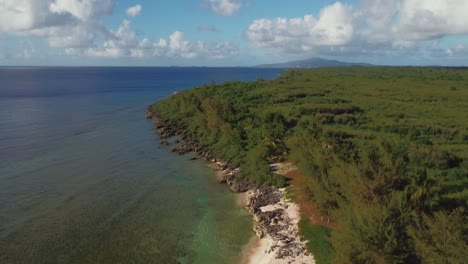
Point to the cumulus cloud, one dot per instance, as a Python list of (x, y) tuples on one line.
[(123, 42), (372, 27), (63, 23), (24, 15), (333, 27), (454, 51), (225, 7), (429, 19), (84, 10), (134, 11), (377, 14), (77, 26), (457, 50)]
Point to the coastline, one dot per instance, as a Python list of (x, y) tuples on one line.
[(277, 230), (275, 218)]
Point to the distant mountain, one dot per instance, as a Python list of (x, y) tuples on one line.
[(313, 63)]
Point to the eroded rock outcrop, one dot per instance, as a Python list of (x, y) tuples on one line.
[(276, 222)]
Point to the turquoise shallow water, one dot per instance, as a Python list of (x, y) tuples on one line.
[(83, 180)]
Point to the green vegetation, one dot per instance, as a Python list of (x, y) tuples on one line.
[(384, 151), (317, 237)]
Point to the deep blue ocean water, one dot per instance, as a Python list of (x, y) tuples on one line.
[(83, 180)]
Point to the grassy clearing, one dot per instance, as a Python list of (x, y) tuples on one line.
[(318, 241)]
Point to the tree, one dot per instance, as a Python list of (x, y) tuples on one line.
[(441, 239)]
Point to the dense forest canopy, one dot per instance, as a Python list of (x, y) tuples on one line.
[(384, 151)]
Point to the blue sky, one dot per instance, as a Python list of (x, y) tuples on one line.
[(232, 32)]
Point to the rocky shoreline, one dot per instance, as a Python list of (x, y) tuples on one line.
[(275, 217)]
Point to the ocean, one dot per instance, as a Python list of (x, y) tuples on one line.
[(84, 180)]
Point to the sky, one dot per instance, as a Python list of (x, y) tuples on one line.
[(231, 32)]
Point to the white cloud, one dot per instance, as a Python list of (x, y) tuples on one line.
[(333, 27), (457, 50), (23, 15), (77, 26), (429, 19), (178, 47), (83, 10), (403, 44), (63, 23), (77, 35), (134, 11), (124, 43), (377, 14), (372, 27), (225, 7)]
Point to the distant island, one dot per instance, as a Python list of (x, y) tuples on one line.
[(312, 63)]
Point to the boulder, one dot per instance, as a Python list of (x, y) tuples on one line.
[(149, 114), (239, 185), (264, 196)]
